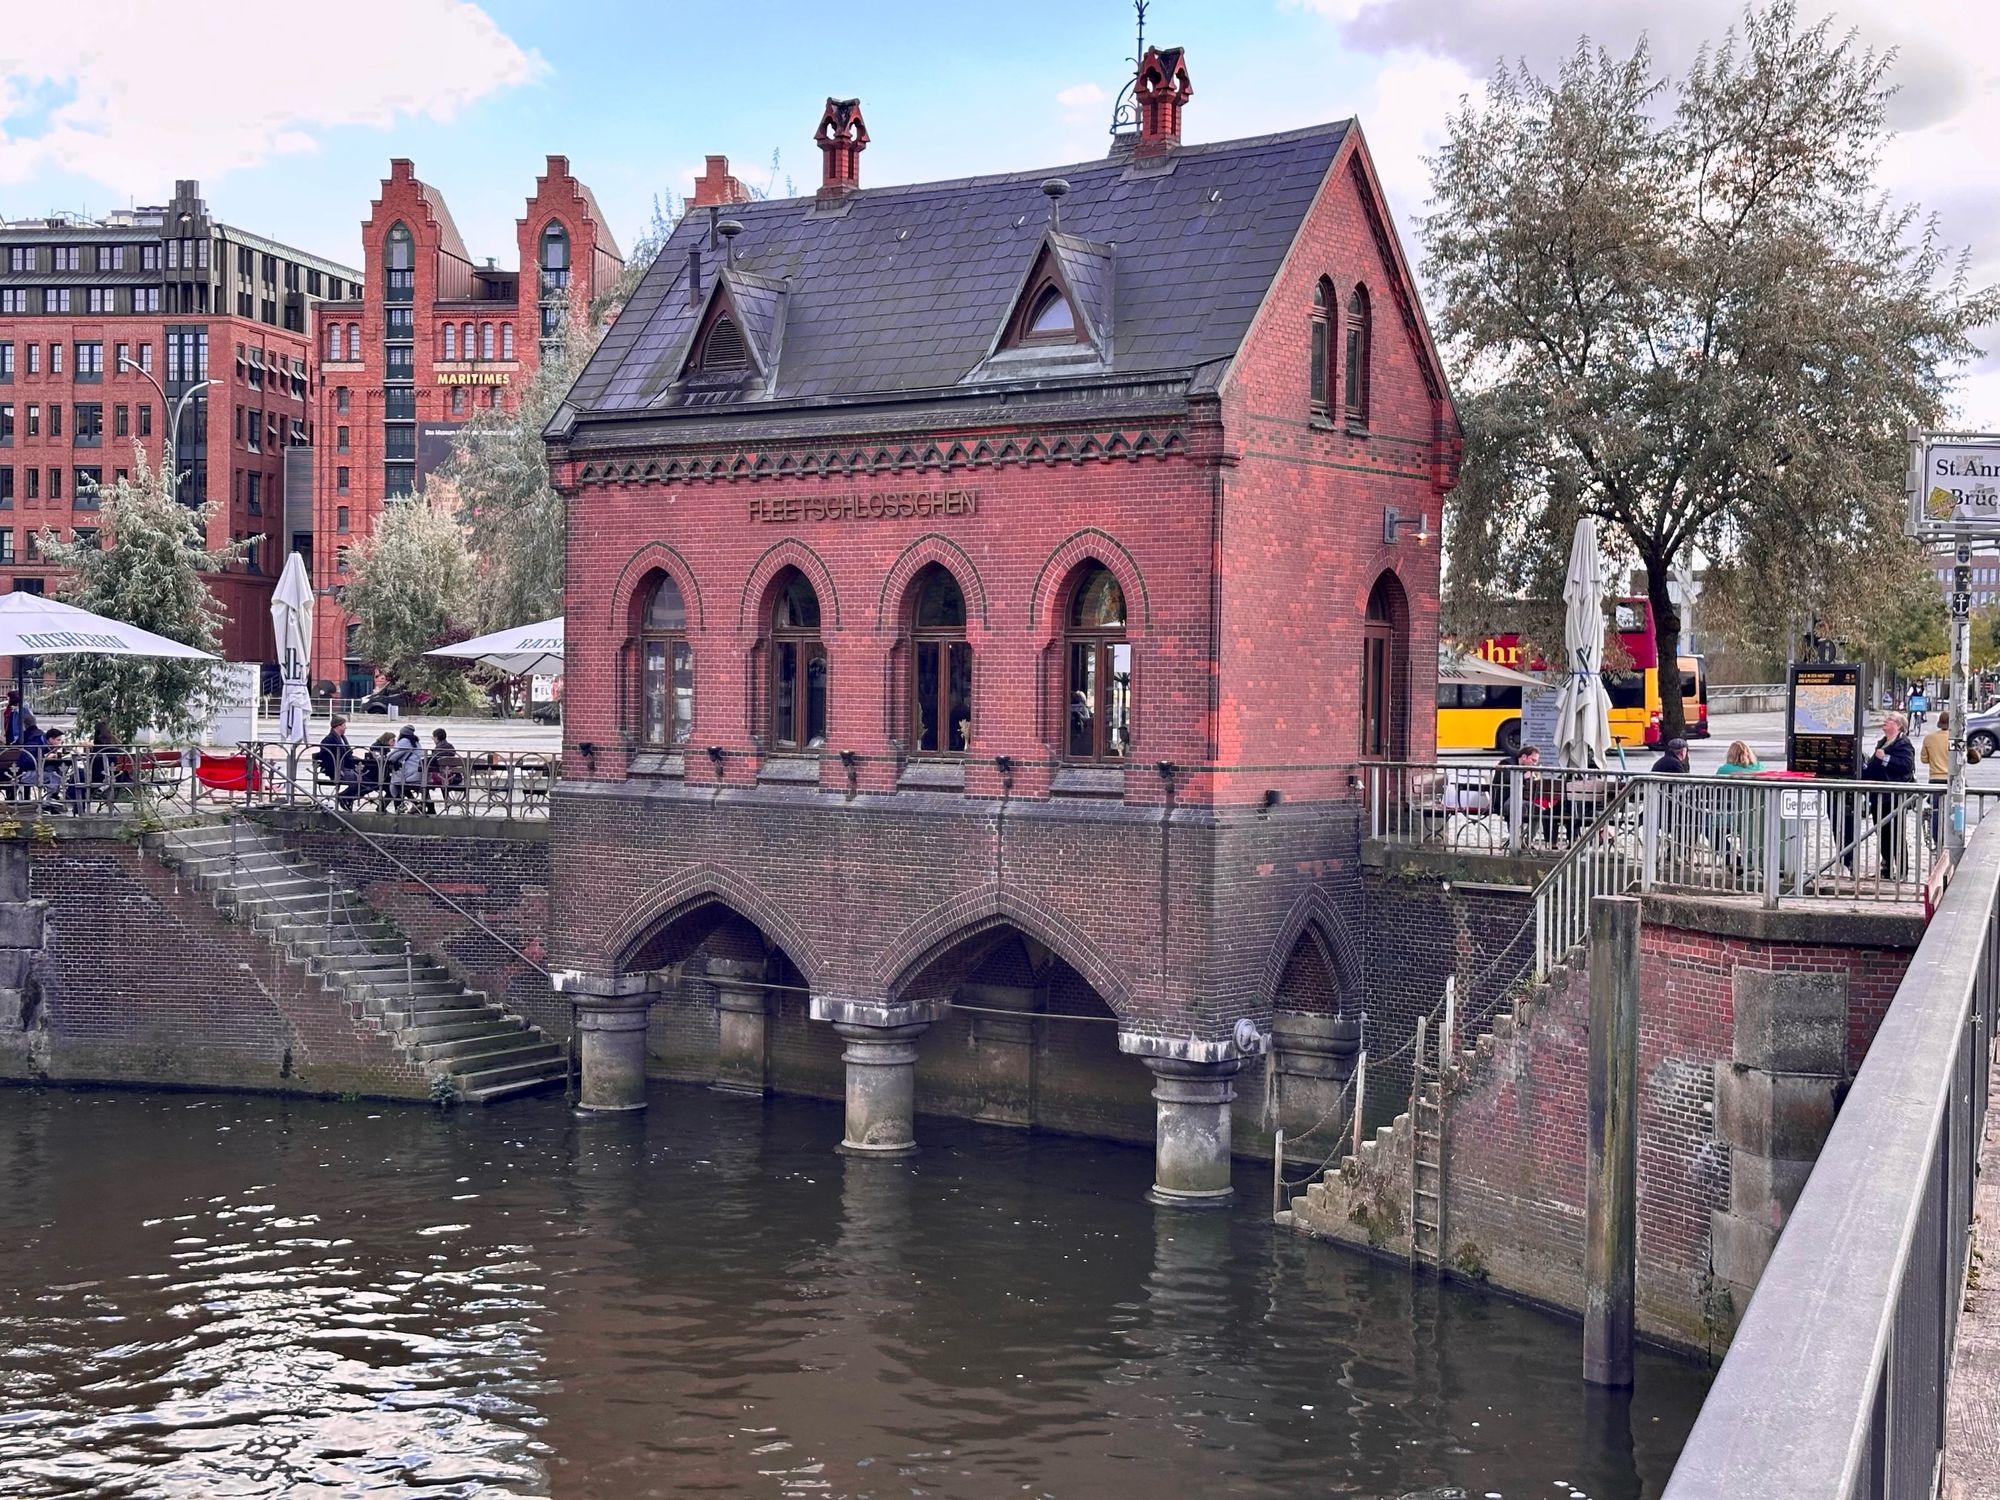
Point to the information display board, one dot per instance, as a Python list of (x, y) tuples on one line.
[(1823, 722), (1954, 485), (1538, 720)]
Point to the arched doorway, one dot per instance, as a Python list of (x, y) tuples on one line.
[(1385, 671)]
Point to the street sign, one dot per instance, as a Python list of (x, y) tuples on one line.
[(1953, 486), (1961, 603)]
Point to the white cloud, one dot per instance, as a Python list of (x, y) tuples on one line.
[(1080, 96), (137, 95)]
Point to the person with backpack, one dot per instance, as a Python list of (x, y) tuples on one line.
[(1919, 705)]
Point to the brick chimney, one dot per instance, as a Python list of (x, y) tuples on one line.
[(841, 137), (1162, 89), (716, 185)]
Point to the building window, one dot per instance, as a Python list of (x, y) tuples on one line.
[(1322, 344), (1382, 671), (666, 687), (20, 257), (101, 299), (89, 424), (6, 424), (486, 341), (340, 487), (1044, 316), (340, 512), (466, 343), (34, 359), (66, 258), (340, 399), (253, 431), (90, 362), (6, 361), (353, 341), (146, 358), (1100, 669), (1354, 379), (450, 342), (56, 300), (149, 257), (145, 419), (941, 696), (34, 492), (458, 401), (6, 546), (13, 299), (55, 356), (333, 343), (398, 261), (34, 420), (340, 439), (798, 667), (145, 299), (253, 493), (121, 421), (55, 420), (506, 340), (55, 478)]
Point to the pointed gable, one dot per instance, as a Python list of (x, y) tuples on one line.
[(734, 344)]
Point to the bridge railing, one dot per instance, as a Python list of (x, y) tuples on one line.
[(1772, 840), (1835, 1385)]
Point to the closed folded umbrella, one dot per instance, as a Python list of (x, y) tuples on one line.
[(36, 625), (517, 651), (1583, 712), (292, 624)]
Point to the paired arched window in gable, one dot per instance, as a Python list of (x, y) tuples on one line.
[(1100, 668), (1354, 378), (1322, 346)]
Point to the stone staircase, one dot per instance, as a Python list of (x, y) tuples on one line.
[(435, 1021)]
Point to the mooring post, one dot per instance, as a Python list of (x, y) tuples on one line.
[(1611, 1168), (1360, 1096), (1278, 1172)]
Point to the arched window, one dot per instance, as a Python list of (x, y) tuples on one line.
[(398, 264), (333, 342), (506, 340), (723, 348), (466, 343), (485, 340), (798, 666), (555, 249), (354, 341), (666, 668), (1354, 379), (1322, 345), (941, 695), (1381, 671), (450, 341), (1044, 316), (1100, 668)]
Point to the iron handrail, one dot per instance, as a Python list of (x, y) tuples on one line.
[(1835, 1385)]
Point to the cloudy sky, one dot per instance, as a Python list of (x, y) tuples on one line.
[(289, 120)]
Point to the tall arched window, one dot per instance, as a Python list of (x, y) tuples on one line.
[(555, 250), (506, 340), (798, 666), (333, 342), (554, 294), (1381, 671), (465, 342), (941, 695), (485, 340), (1100, 668), (666, 667), (398, 263), (1354, 379), (1322, 345), (354, 341), (450, 341)]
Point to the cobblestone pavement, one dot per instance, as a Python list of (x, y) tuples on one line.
[(1972, 1424)]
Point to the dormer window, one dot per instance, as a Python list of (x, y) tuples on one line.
[(724, 348), (1044, 316)]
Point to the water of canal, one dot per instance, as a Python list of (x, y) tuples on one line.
[(229, 1296)]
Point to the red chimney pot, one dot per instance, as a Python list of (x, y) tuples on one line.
[(715, 185), (842, 137), (1163, 87)]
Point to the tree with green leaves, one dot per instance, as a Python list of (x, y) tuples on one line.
[(1686, 309), (152, 575), (414, 588)]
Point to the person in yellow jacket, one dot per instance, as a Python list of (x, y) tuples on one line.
[(1935, 753)]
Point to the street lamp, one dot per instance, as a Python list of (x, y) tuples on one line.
[(173, 410)]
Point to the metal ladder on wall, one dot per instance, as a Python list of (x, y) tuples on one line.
[(1427, 1085)]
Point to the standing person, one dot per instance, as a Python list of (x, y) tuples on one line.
[(1919, 705), (1935, 753), (336, 763), (1894, 760)]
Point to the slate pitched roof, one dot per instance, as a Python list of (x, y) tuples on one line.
[(902, 289), (449, 239)]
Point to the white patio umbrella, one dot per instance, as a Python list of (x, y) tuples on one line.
[(1583, 712), (35, 625), (517, 651), (292, 624)]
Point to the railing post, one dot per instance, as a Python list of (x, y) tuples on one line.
[(1278, 1172), (409, 974), (1516, 789), (1649, 834), (1771, 833), (1360, 1097)]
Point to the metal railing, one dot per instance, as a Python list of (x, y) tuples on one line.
[(1835, 1384), (479, 784), (1771, 840), (1601, 861)]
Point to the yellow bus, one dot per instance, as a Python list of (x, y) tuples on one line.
[(1479, 702)]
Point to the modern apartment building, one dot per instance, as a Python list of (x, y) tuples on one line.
[(109, 327), (427, 338)]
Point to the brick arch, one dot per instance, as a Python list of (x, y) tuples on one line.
[(951, 922), (920, 554), (700, 885), (1092, 544), (789, 553), (668, 560), (1315, 919), (1387, 559)]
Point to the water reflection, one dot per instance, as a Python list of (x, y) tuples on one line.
[(235, 1297)]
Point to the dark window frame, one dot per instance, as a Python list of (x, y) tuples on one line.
[(1355, 372), (796, 649), (945, 642), (1091, 654), (665, 654)]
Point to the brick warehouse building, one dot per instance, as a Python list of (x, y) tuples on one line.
[(981, 595), (428, 337), (185, 298)]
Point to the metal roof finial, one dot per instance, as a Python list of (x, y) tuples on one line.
[(1125, 108)]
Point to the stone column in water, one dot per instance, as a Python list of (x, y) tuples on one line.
[(881, 1059), (611, 1037), (1611, 1162), (743, 1010), (1191, 1102)]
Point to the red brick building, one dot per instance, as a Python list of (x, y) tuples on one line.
[(428, 337), (105, 326), (981, 596)]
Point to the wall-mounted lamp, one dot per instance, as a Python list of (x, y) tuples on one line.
[(715, 754), (1354, 782), (588, 750), (1168, 771), (1392, 523), (1004, 764), (848, 760), (1272, 797)]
